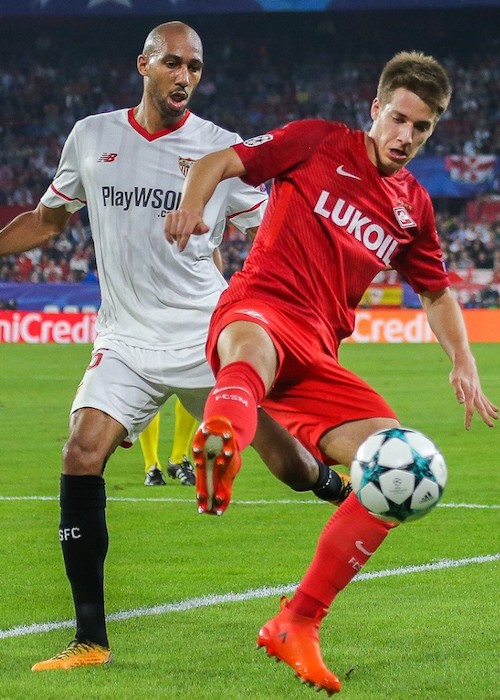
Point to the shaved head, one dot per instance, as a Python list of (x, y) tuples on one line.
[(160, 35)]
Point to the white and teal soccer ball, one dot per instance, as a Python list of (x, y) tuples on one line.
[(398, 474)]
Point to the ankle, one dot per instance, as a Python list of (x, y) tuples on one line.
[(306, 606)]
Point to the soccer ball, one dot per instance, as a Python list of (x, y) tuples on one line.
[(398, 474)]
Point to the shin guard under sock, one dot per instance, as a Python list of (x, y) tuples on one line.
[(236, 395), (348, 540), (84, 539)]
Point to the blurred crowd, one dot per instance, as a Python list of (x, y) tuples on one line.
[(68, 257), (253, 81), (467, 245)]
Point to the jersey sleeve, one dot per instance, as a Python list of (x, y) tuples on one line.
[(246, 205), (421, 263), (279, 150), (66, 188)]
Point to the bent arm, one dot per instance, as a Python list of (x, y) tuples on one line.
[(32, 228), (447, 323), (203, 178)]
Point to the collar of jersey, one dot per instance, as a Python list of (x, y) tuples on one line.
[(158, 134)]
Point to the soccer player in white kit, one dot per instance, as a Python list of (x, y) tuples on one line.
[(128, 167)]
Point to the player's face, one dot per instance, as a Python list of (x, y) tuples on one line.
[(400, 128), (172, 73)]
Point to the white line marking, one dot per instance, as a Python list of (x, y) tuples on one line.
[(281, 502), (252, 594)]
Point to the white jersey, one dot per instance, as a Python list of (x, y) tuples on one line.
[(152, 296)]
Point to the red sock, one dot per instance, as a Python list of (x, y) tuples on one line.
[(348, 540), (236, 395)]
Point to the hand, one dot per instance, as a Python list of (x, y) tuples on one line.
[(181, 224), (465, 381)]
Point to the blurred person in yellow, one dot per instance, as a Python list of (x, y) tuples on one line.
[(179, 466)]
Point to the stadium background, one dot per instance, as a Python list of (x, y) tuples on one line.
[(262, 69)]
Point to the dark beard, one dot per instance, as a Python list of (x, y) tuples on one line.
[(165, 111)]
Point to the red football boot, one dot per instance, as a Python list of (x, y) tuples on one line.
[(217, 461), (294, 639)]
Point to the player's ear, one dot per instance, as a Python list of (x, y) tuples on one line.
[(142, 64), (375, 108)]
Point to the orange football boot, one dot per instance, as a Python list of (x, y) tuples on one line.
[(294, 639), (345, 489), (76, 654), (217, 461)]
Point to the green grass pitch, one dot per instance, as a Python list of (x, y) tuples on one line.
[(186, 594)]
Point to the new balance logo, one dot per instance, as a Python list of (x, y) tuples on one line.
[(107, 158)]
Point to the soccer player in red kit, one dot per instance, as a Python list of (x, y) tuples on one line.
[(342, 208)]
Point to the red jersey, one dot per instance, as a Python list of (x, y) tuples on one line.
[(332, 223)]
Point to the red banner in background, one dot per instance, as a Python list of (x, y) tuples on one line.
[(372, 326), (40, 327), (410, 326)]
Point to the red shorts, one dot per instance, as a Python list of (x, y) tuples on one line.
[(312, 392)]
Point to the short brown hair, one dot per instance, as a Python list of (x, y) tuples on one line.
[(421, 74)]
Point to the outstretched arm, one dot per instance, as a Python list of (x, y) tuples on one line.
[(203, 178), (32, 228), (446, 321)]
